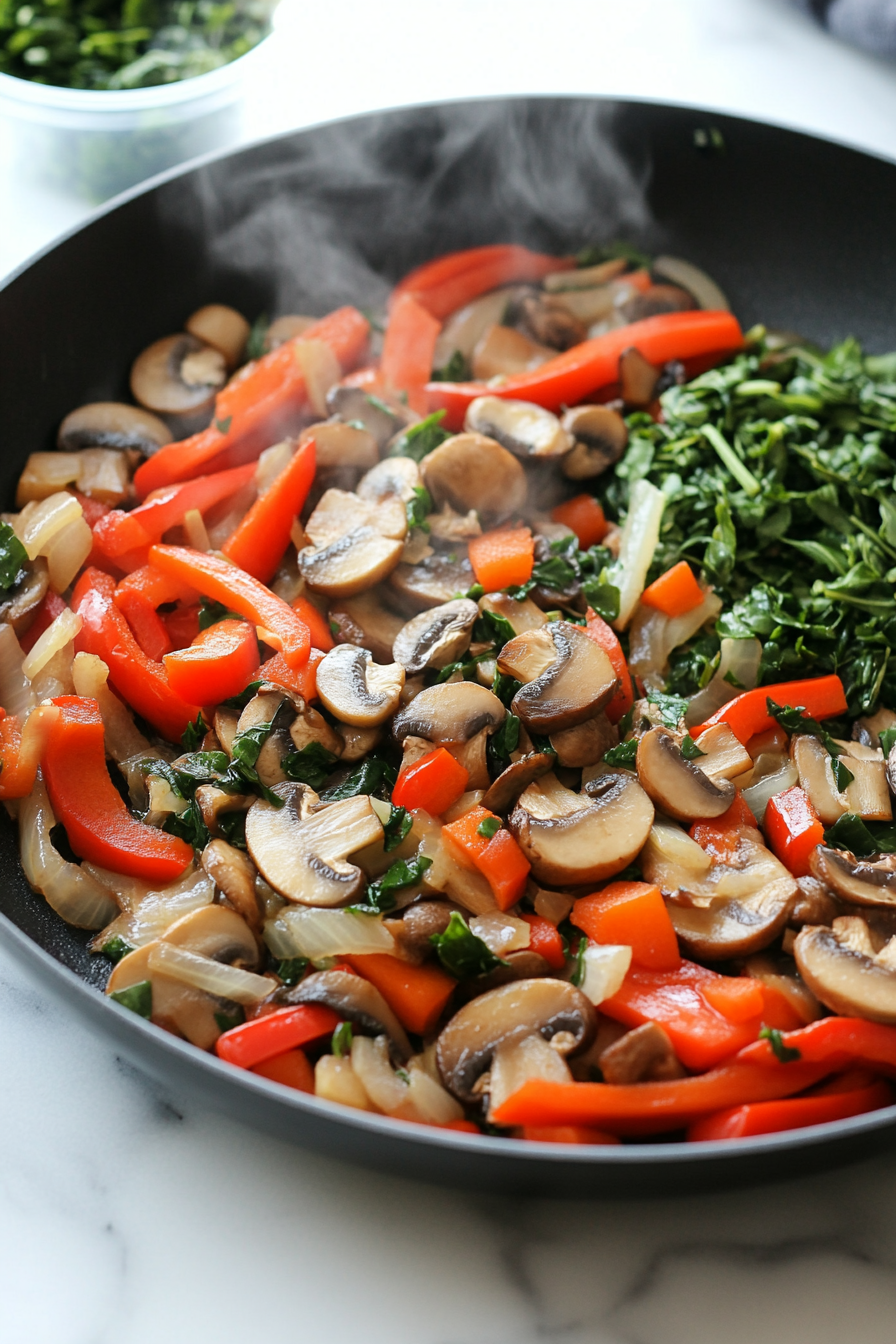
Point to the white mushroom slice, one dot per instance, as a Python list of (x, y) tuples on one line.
[(350, 565), (585, 743), (365, 620), (357, 742), (356, 689), (600, 436), (275, 706), (394, 477), (450, 526), (450, 712), (814, 766), (676, 863), (222, 327), (46, 474), (303, 854), (859, 881), (436, 637), (233, 872), (177, 374), (472, 471), (724, 757), (570, 839), (437, 579), (867, 795), (383, 419), (844, 970), (676, 785), (112, 424), (567, 677), (695, 281), (337, 444), (216, 932), (503, 351), (730, 927), (339, 512), (522, 615), (516, 1061), (520, 426), (284, 328)]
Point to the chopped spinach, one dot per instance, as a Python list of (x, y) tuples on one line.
[(312, 765), (227, 1021), (420, 439), (397, 828), (461, 952), (210, 613), (488, 827), (292, 969), (418, 508), (402, 873), (672, 708), (457, 370), (862, 838), (375, 775), (342, 1040), (689, 749), (116, 948), (13, 557), (887, 739), (137, 998), (623, 754)]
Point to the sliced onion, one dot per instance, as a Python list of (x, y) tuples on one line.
[(38, 524), (515, 1062), (67, 552), (463, 329), (757, 796), (321, 369), (605, 966), (270, 464), (639, 538), (653, 636), (16, 695), (124, 740), (501, 933), (55, 677), (149, 917), (696, 282), (213, 977), (197, 535), (336, 1080), (134, 893), (317, 933), (59, 633), (73, 893), (388, 1092), (430, 1099), (738, 671)]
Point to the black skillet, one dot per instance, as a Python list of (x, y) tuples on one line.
[(797, 231)]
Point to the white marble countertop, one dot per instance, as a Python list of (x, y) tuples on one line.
[(128, 1214)]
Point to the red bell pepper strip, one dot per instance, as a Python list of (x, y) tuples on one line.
[(240, 592), (632, 914), (747, 714), (738, 814), (651, 1108), (302, 680), (49, 607), (702, 1036), (435, 783), (739, 998), (261, 404), (118, 532), (498, 857), (545, 940), (409, 350), (593, 366), (317, 623), (91, 509), (793, 829), (21, 749), (454, 280), (221, 660), (139, 680), (502, 559), (675, 592), (773, 1117), (182, 625), (260, 540), (584, 515), (150, 631), (566, 1134), (290, 1069), (417, 995), (596, 628), (266, 1037), (139, 595), (98, 824), (836, 1042), (152, 588)]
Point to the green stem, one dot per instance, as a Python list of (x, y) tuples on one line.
[(744, 477)]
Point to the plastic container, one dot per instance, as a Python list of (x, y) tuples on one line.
[(94, 143)]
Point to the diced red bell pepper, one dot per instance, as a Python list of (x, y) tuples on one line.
[(632, 914), (417, 995), (450, 282), (793, 829), (267, 1037), (98, 824), (747, 714), (502, 559), (545, 940), (259, 541), (675, 592), (218, 664), (303, 681), (585, 517), (119, 532), (50, 606), (408, 350), (498, 857), (291, 1069), (740, 998), (435, 783), (605, 636), (738, 814), (773, 1117)]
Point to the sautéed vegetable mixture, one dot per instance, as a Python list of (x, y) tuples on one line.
[(484, 722)]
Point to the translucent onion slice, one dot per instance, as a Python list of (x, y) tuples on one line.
[(124, 740), (501, 933), (74, 894), (317, 933), (16, 695), (639, 537), (61, 632), (429, 1099), (605, 966), (388, 1092), (270, 464), (758, 795), (321, 369), (738, 671), (66, 553), (214, 977), (197, 535), (38, 524)]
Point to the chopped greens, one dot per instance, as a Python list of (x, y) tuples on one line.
[(374, 775), (13, 558), (672, 708), (342, 1040), (418, 508), (421, 439), (887, 739), (793, 719), (402, 873), (312, 765), (292, 969), (461, 952), (623, 754), (488, 827), (210, 613), (137, 998), (457, 370), (786, 1054), (689, 749), (862, 838), (116, 948), (193, 734), (397, 828)]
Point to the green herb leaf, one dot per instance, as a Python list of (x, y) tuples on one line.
[(460, 951), (312, 765), (842, 777), (578, 971), (689, 749), (342, 1040), (494, 627), (13, 558), (887, 738), (210, 613), (223, 426), (604, 598), (489, 827), (418, 508), (421, 439), (397, 828), (257, 334), (239, 702), (372, 776), (786, 1054), (623, 754), (794, 719), (137, 998), (116, 948), (227, 1021), (672, 708), (402, 873), (457, 370), (862, 838), (292, 969), (193, 734)]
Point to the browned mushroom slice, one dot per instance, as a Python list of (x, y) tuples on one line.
[(436, 637), (393, 478), (350, 565), (502, 351), (450, 712), (522, 965), (355, 1000), (504, 791), (655, 300), (354, 406), (543, 1007), (222, 328), (550, 322), (600, 436), (356, 689), (113, 424), (526, 430), (413, 933), (846, 971), (586, 743), (677, 786), (339, 512), (570, 839), (814, 904), (225, 724), (860, 881), (104, 474), (522, 615), (177, 374), (567, 677), (472, 471), (435, 580), (643, 1055), (233, 872), (337, 444), (214, 803), (367, 621), (18, 606), (767, 968), (730, 926), (637, 378)]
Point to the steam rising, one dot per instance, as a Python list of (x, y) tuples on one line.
[(340, 216)]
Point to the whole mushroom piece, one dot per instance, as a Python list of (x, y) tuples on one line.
[(846, 972), (178, 374), (566, 677), (473, 471), (677, 786), (436, 637)]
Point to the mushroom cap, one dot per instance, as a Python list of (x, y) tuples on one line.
[(356, 689), (177, 374), (860, 881), (678, 786), (504, 791), (354, 404), (355, 1000), (433, 581), (436, 637), (219, 933), (340, 445), (450, 712), (473, 471), (600, 437), (524, 429), (523, 1008), (730, 926), (567, 677), (570, 839), (394, 476), (851, 980), (351, 563), (222, 327), (366, 621), (113, 424), (19, 606)]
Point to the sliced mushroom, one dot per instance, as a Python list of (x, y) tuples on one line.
[(218, 933), (586, 743), (570, 839), (413, 933), (113, 424), (502, 351), (777, 974), (367, 621), (18, 606), (525, 429), (724, 756), (302, 853), (600, 437), (438, 578), (450, 712), (337, 444), (177, 374), (655, 300), (860, 881), (222, 328), (275, 706), (451, 527), (522, 614), (472, 755), (472, 471), (233, 872), (393, 478), (354, 406), (355, 1000), (463, 329), (436, 637), (643, 1055), (846, 972), (214, 803), (816, 777), (339, 512), (567, 677), (104, 475), (637, 378), (544, 1007), (350, 565), (730, 926), (522, 965), (309, 726), (358, 742), (676, 863), (286, 328), (356, 689), (868, 730), (677, 786), (814, 904), (176, 1007), (503, 792), (225, 724), (549, 321)]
